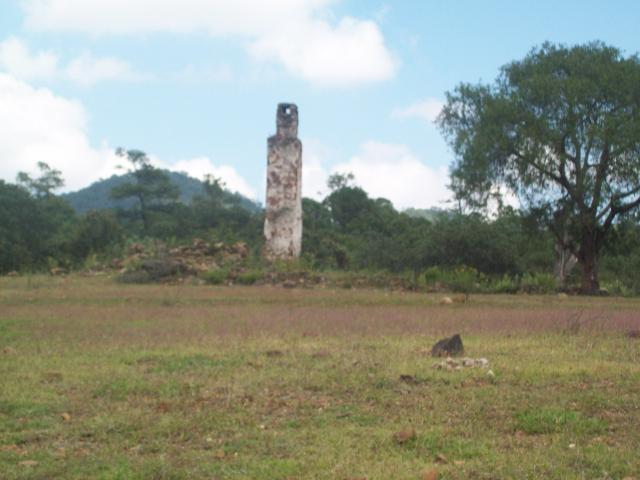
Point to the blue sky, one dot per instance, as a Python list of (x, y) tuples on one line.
[(195, 83)]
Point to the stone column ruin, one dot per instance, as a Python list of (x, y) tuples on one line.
[(283, 219)]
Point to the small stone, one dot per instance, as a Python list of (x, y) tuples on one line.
[(440, 458), (446, 301), (410, 379), (11, 448), (405, 435), (634, 334), (430, 475), (448, 347), (572, 445), (482, 362), (491, 374)]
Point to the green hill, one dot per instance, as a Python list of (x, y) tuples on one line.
[(97, 196), (431, 214)]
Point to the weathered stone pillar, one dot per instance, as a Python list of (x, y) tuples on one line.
[(283, 221)]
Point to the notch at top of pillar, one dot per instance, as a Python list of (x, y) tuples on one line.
[(287, 120)]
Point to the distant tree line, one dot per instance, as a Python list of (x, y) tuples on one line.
[(346, 231)]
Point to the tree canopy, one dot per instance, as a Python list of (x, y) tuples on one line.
[(48, 182), (151, 185), (561, 129)]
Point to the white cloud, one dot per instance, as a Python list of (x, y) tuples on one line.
[(382, 170), (16, 59), (395, 173), (314, 173), (349, 54), (85, 70), (293, 33), (426, 110), (202, 73), (216, 17), (200, 166), (38, 126)]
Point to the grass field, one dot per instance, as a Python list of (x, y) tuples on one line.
[(109, 381)]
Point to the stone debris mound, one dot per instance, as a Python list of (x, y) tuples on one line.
[(460, 363), (197, 258)]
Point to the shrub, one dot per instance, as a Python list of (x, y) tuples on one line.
[(134, 276), (433, 275), (216, 277), (506, 284), (249, 277), (465, 279), (538, 283), (462, 279)]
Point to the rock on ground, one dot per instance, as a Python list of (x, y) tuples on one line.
[(448, 347)]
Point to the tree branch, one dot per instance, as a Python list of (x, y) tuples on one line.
[(616, 198), (601, 173)]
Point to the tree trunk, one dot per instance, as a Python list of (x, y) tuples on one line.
[(565, 261), (588, 259), (143, 214)]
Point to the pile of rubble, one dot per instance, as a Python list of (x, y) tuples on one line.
[(294, 279), (460, 363), (202, 256), (160, 262)]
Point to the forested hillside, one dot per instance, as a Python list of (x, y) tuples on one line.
[(97, 196)]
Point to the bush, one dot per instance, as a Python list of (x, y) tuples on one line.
[(433, 275), (506, 284), (538, 283), (216, 277), (618, 288), (134, 276), (465, 280), (462, 279), (249, 277)]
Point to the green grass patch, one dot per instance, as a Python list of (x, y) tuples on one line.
[(184, 363), (552, 420)]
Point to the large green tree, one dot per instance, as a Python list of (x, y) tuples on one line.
[(151, 187), (561, 129), (43, 186)]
